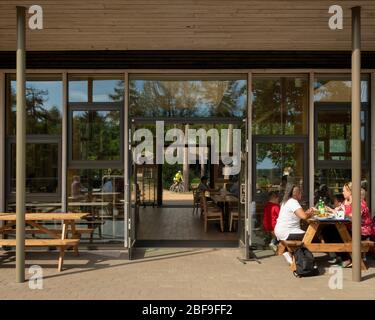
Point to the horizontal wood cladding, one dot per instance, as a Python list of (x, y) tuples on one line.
[(186, 59), (187, 25)]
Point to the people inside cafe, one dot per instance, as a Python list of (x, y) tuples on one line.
[(235, 186), (107, 186), (76, 188), (203, 185)]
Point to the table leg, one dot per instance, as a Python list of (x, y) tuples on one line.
[(75, 235), (64, 230), (346, 238), (61, 258), (310, 233)]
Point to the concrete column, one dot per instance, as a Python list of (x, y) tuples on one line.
[(372, 149), (185, 171), (249, 173), (64, 146), (311, 141), (21, 145), (356, 143), (2, 143), (127, 148)]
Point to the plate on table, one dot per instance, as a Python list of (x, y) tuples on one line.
[(325, 216)]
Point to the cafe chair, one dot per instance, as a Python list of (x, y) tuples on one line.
[(233, 216), (211, 214), (196, 200)]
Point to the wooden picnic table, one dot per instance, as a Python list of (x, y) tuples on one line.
[(313, 231), (33, 220)]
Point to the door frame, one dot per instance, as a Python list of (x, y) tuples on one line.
[(132, 237)]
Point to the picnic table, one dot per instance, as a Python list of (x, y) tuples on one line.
[(313, 232), (58, 238), (49, 206)]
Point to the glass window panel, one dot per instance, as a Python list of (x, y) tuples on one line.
[(108, 90), (329, 182), (96, 135), (280, 105), (100, 193), (42, 167), (78, 91), (338, 88), (188, 98), (278, 164), (334, 134), (43, 105), (101, 88)]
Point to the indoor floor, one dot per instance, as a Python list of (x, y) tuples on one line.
[(177, 224)]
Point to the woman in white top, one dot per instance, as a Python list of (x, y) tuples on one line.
[(288, 223)]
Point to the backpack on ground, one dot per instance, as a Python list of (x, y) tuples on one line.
[(305, 264)]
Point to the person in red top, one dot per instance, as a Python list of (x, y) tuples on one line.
[(270, 214), (367, 225)]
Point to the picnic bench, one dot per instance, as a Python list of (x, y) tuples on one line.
[(58, 238), (312, 233)]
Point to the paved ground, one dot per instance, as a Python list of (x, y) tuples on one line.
[(176, 274)]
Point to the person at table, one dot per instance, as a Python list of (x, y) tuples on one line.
[(367, 225), (338, 200), (288, 225), (270, 214), (235, 187), (203, 185), (107, 186), (76, 188)]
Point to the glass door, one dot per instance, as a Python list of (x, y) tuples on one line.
[(244, 202), (278, 163), (133, 197)]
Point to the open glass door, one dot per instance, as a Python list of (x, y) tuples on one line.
[(132, 196), (244, 205)]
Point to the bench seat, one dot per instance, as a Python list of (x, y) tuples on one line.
[(57, 231), (62, 244), (326, 247)]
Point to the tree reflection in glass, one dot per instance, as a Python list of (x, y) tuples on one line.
[(188, 98), (43, 106), (280, 105), (96, 135)]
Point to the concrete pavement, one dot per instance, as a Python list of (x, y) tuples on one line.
[(176, 274)]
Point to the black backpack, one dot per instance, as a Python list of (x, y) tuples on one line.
[(305, 264)]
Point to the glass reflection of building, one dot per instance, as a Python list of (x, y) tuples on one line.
[(280, 123)]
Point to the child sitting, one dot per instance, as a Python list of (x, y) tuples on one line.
[(270, 214)]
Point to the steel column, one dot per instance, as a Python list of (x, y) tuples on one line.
[(356, 143)]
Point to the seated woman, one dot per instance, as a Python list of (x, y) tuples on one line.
[(367, 225), (288, 225)]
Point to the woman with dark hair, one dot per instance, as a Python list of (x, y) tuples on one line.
[(288, 225)]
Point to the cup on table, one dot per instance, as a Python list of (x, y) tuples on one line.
[(340, 214)]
